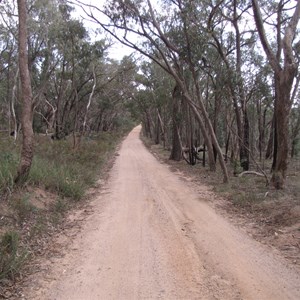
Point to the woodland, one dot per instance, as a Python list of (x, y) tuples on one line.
[(215, 82), (232, 72), (220, 77)]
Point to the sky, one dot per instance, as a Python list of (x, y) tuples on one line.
[(117, 51)]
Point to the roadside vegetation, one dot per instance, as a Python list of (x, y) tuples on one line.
[(211, 80), (64, 106), (58, 180)]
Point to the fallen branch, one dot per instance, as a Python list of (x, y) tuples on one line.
[(257, 174), (251, 173)]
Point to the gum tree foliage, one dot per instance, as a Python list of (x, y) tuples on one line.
[(169, 39), (8, 64), (227, 71), (75, 88), (210, 77)]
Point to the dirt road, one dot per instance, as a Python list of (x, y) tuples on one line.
[(152, 236)]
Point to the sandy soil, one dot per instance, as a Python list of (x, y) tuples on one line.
[(150, 235)]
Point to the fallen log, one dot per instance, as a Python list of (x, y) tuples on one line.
[(251, 173)]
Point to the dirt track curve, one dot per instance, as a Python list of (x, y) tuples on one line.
[(152, 236)]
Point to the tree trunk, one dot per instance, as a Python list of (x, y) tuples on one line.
[(285, 74), (157, 131), (282, 112), (162, 128), (148, 117), (89, 102), (242, 123), (244, 145), (216, 117), (12, 106), (269, 151), (261, 129), (176, 151), (204, 156), (209, 140), (294, 135), (275, 138), (27, 107)]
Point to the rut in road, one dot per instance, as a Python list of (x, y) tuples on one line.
[(153, 237)]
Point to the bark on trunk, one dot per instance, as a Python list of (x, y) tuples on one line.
[(244, 145), (285, 74), (157, 131), (294, 135), (89, 102), (27, 107), (282, 112), (242, 123), (176, 151), (162, 128), (148, 117), (269, 151)]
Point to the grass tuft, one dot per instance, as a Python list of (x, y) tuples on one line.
[(11, 256), (60, 178), (57, 167), (23, 207), (8, 163)]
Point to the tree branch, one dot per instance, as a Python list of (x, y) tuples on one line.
[(262, 35)]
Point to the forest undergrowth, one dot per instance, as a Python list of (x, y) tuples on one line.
[(268, 215), (58, 180)]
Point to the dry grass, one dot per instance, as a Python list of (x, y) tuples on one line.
[(59, 178)]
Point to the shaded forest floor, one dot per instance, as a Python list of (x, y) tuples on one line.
[(270, 216)]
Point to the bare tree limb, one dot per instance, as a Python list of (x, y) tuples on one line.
[(262, 34)]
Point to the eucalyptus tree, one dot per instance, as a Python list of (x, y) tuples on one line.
[(139, 25), (44, 24), (113, 95), (66, 53), (282, 59), (263, 100), (77, 89), (295, 130), (64, 66), (157, 88), (8, 67), (64, 76), (27, 101), (233, 38)]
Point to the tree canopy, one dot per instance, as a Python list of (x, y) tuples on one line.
[(220, 77)]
